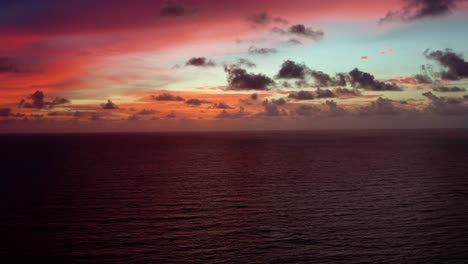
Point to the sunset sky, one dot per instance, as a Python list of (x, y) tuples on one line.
[(149, 65)]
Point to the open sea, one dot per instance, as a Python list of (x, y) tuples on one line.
[(390, 196)]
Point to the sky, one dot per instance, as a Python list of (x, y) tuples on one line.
[(195, 65)]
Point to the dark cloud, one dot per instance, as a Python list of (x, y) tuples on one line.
[(381, 106), (272, 109), (307, 110), (10, 65), (254, 96), (240, 79), (324, 93), (228, 115), (444, 89), (200, 62), (261, 51), (339, 79), (334, 109), (278, 102), (364, 80), (457, 67), (5, 112), (420, 9), (222, 105), (167, 97), (263, 18), (301, 31), (194, 101), (38, 100), (346, 91), (109, 105), (292, 70), (445, 106), (174, 9), (280, 20), (293, 41), (301, 95), (244, 62), (171, 115), (147, 112), (422, 78), (321, 79)]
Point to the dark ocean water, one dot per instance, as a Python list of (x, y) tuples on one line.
[(282, 197)]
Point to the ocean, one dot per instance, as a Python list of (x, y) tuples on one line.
[(389, 196)]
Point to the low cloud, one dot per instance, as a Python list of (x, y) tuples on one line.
[(444, 89), (231, 115), (174, 9), (264, 18), (420, 9), (292, 70), (167, 97), (200, 62), (346, 91), (38, 100), (240, 79), (5, 112), (364, 80), (381, 106), (261, 51), (109, 105), (222, 105), (194, 101), (272, 109), (301, 31), (445, 106), (147, 112), (422, 79), (324, 93), (301, 95), (456, 66)]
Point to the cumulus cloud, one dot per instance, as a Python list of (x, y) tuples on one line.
[(38, 100), (194, 101), (324, 80), (346, 91), (301, 95), (5, 112), (200, 62), (240, 79), (381, 106), (420, 9), (272, 109), (422, 78), (10, 65), (261, 51), (174, 9), (171, 115), (301, 31), (229, 115), (292, 70), (445, 106), (222, 105), (167, 97), (445, 89), (456, 66), (244, 62), (364, 80), (263, 18), (109, 105), (147, 112), (324, 93)]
